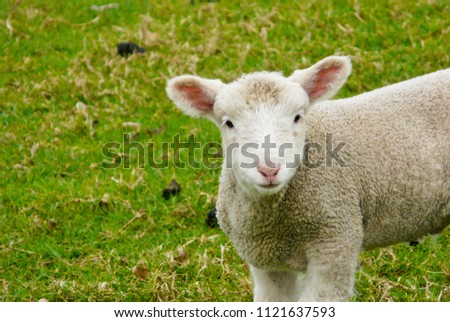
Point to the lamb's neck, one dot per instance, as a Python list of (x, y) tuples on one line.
[(267, 201)]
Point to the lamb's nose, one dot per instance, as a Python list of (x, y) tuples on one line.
[(267, 172)]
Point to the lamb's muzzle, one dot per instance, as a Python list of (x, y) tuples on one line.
[(268, 172)]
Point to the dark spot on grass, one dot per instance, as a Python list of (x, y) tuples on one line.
[(128, 48), (52, 224), (171, 190), (211, 219)]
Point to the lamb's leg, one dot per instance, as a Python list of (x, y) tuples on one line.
[(275, 286), (331, 272)]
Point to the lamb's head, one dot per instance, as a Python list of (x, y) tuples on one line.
[(261, 118)]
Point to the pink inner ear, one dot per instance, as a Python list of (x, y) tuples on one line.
[(197, 97), (322, 81)]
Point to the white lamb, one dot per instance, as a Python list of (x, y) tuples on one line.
[(375, 172)]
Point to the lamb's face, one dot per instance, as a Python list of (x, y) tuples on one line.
[(261, 118)]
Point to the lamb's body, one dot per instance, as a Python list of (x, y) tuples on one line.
[(391, 184), (395, 186), (398, 156)]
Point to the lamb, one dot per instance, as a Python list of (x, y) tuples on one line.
[(299, 217)]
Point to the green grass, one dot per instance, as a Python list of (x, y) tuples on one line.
[(73, 231)]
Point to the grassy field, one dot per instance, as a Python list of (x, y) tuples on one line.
[(72, 230)]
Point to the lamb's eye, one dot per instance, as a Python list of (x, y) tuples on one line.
[(229, 124), (297, 118)]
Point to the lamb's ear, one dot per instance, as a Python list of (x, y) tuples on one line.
[(194, 95), (324, 79)]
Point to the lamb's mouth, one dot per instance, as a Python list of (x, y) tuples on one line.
[(269, 186)]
